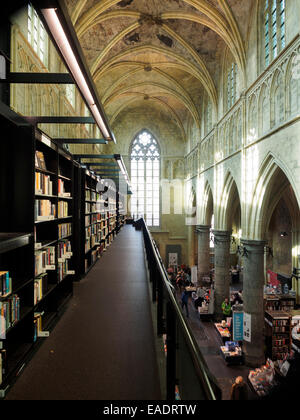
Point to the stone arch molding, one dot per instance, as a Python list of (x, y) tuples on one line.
[(206, 207), (262, 201), (230, 198)]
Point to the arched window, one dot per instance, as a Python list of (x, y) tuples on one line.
[(145, 178), (274, 27)]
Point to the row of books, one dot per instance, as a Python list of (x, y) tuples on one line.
[(40, 160), (44, 210), (9, 313), (64, 229), (40, 287), (90, 208), (37, 326), (44, 260), (64, 250), (43, 184), (5, 283), (91, 195), (63, 209), (61, 189), (63, 269)]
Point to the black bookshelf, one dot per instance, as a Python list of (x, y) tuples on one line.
[(23, 235)]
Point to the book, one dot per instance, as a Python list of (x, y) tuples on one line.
[(5, 284), (40, 160), (44, 260), (40, 287)]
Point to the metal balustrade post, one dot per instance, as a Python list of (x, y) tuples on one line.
[(171, 353), (160, 305)]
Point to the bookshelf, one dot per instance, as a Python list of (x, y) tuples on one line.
[(284, 303), (90, 222), (121, 215), (278, 334), (100, 222), (52, 232), (36, 240)]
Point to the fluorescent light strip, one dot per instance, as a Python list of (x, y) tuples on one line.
[(120, 163), (66, 50)]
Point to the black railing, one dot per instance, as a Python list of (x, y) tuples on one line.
[(185, 365)]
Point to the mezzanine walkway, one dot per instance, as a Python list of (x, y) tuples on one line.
[(103, 348)]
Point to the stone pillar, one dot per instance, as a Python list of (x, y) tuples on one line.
[(203, 251), (253, 296), (222, 267)]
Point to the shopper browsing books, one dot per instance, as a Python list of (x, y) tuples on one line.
[(226, 308), (239, 390), (185, 301)]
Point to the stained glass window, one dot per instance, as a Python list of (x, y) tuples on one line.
[(145, 178)]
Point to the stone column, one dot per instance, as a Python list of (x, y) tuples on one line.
[(203, 251), (253, 296), (222, 267)]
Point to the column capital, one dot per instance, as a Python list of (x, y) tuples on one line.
[(254, 245), (203, 228), (222, 235)]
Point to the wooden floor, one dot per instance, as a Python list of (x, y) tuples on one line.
[(103, 348)]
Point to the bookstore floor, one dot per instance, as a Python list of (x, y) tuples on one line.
[(209, 342), (96, 352)]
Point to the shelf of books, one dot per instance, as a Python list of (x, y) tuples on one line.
[(278, 334), (99, 224), (91, 222), (53, 230), (36, 242), (121, 211)]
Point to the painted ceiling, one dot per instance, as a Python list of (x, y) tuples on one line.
[(164, 54)]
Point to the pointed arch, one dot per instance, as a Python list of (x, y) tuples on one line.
[(207, 206), (229, 203), (274, 178)]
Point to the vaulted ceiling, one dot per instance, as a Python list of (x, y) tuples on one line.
[(163, 54)]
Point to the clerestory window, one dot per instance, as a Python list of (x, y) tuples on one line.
[(145, 178)]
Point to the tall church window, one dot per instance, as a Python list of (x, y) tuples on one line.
[(145, 178), (37, 36), (274, 29)]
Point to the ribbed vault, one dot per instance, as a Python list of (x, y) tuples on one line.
[(169, 52)]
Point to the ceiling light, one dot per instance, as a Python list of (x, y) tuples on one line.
[(64, 46)]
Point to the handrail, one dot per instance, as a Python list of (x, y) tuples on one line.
[(200, 365)]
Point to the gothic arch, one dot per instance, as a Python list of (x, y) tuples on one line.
[(229, 203), (207, 208), (273, 180)]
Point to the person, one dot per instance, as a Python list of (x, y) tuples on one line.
[(185, 302), (226, 309), (237, 299), (186, 278), (239, 390), (179, 279)]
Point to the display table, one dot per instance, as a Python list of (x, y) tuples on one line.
[(223, 332), (263, 380), (232, 353)]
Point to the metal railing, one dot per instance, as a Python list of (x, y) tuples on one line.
[(186, 367)]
